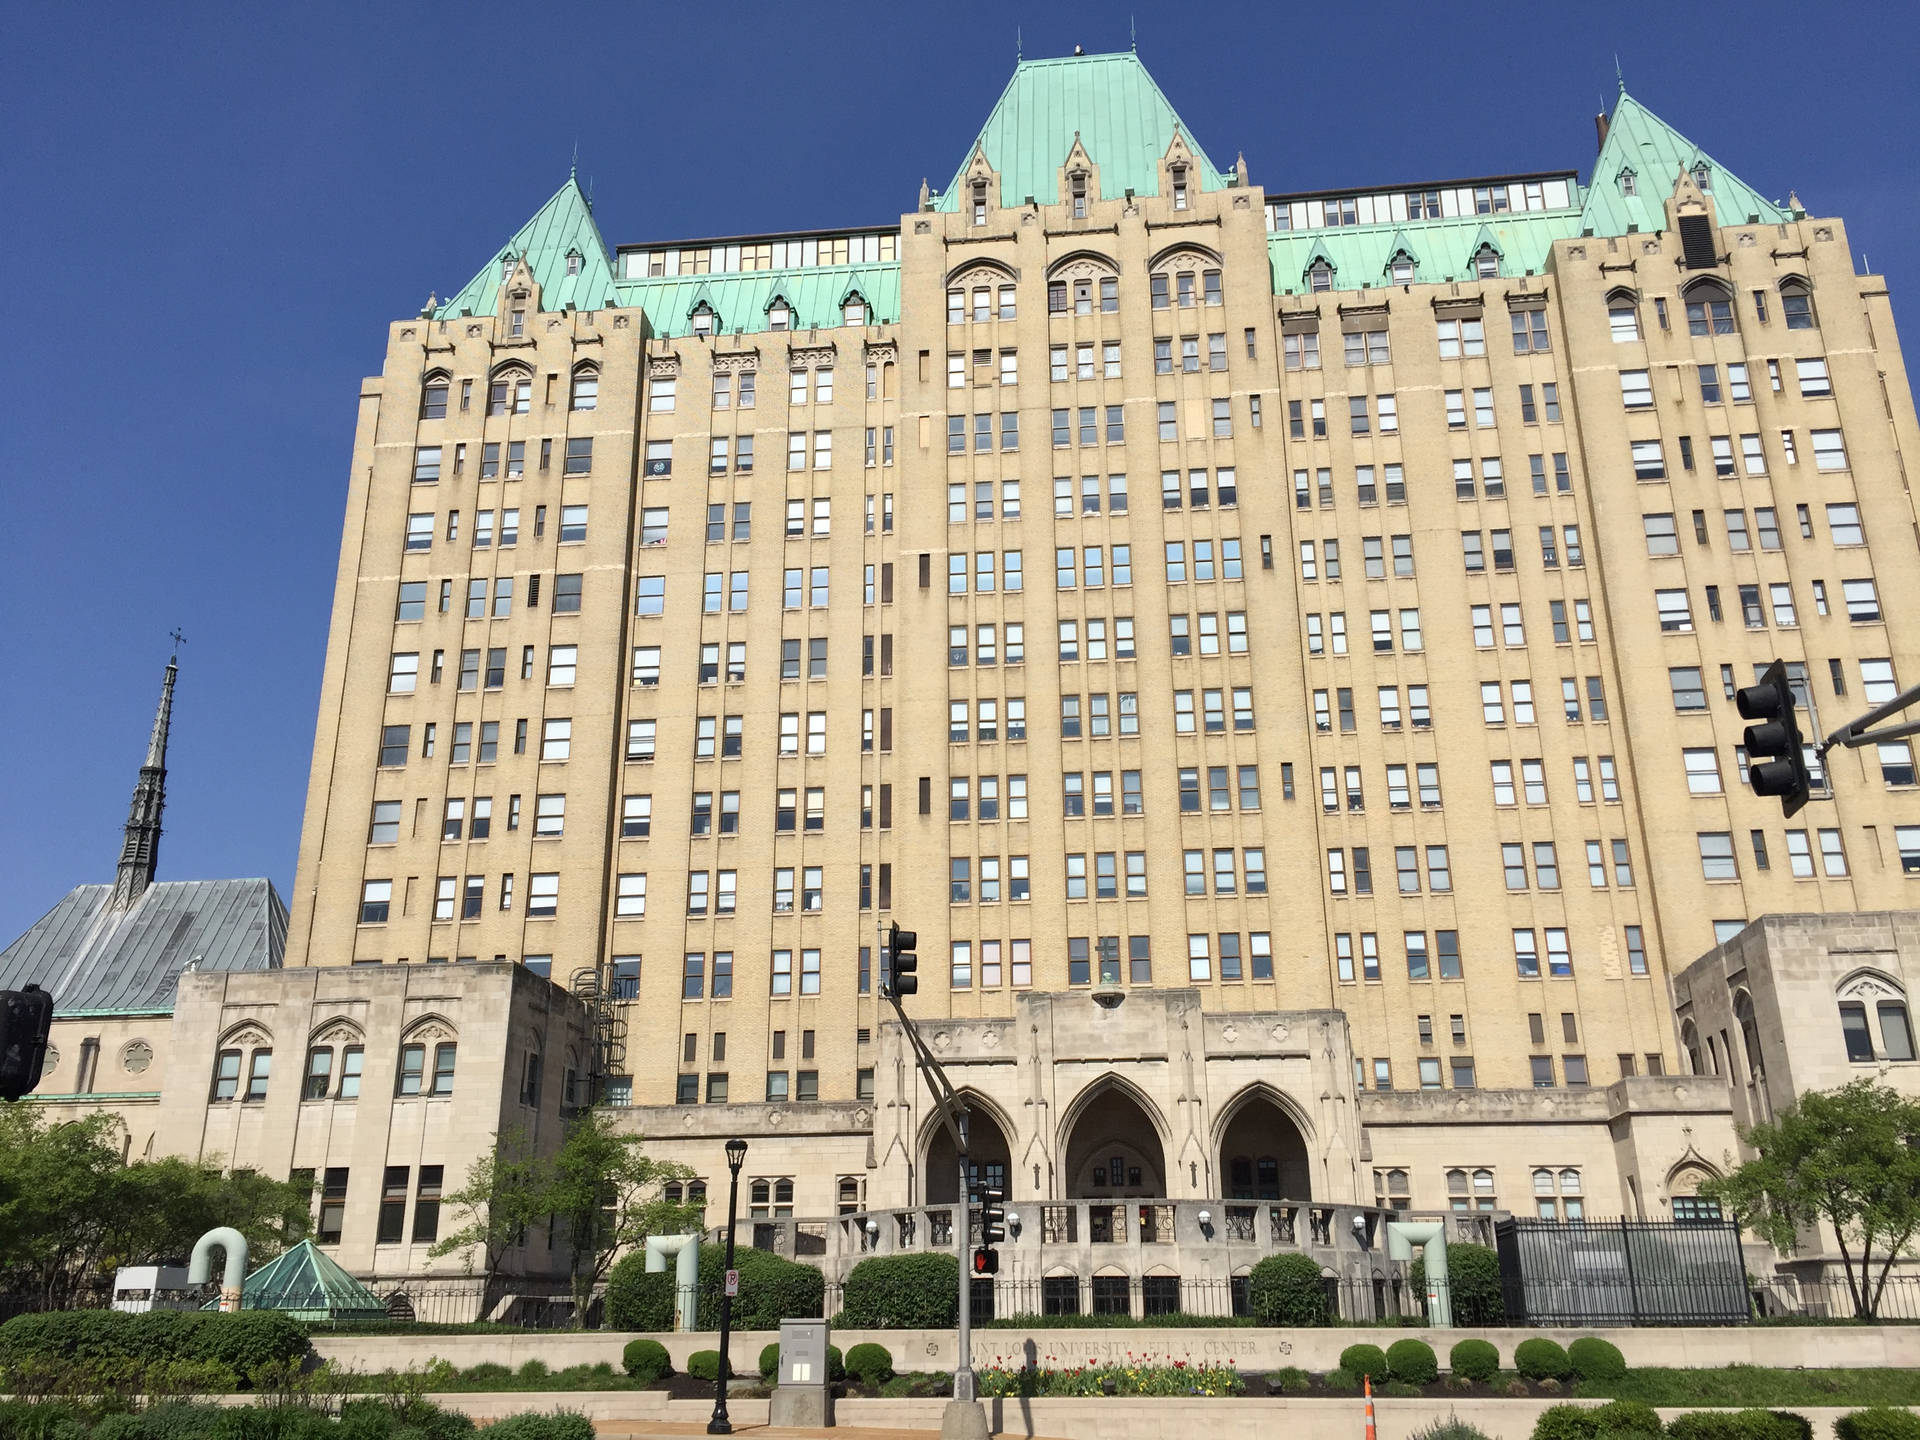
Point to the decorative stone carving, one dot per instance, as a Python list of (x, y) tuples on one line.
[(861, 1116), (1649, 247), (990, 1040), (735, 360), (620, 322), (407, 334), (247, 1035), (887, 354), (942, 1040), (1823, 232), (1240, 202), (337, 1035), (806, 357), (923, 227), (1230, 1032), (1746, 242), (1185, 260), (980, 275), (137, 1057), (663, 367), (1086, 267), (1576, 252), (1279, 1034), (430, 1032), (473, 332), (553, 324)]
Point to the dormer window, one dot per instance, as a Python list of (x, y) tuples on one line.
[(1319, 277), (854, 312), (573, 262), (1077, 182), (506, 268), (1486, 263), (1179, 177), (1629, 183), (979, 202), (703, 321), (780, 317), (1401, 268), (1702, 176)]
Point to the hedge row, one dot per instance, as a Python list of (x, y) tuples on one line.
[(240, 1343), (359, 1420), (1631, 1420), (771, 1290)]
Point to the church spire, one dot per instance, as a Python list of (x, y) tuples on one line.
[(140, 851)]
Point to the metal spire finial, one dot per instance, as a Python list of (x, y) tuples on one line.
[(573, 170), (1618, 73), (1133, 36), (140, 847), (1019, 48)]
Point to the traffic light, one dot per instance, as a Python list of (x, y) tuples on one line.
[(1776, 760), (901, 961), (25, 1018), (993, 1216), (986, 1260)]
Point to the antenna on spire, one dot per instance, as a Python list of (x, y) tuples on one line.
[(1619, 74), (573, 170), (1019, 49), (1133, 37)]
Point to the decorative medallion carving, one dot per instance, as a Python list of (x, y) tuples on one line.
[(1240, 202), (776, 1118), (1649, 247), (430, 1033), (473, 332), (137, 1057), (862, 1116), (337, 1035), (1823, 232), (1230, 1032), (247, 1035), (1085, 268), (943, 1040), (407, 334), (1185, 259), (1279, 1034), (1576, 252), (923, 227), (990, 1040), (620, 322), (1746, 242)]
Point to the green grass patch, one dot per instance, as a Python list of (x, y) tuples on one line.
[(1755, 1385)]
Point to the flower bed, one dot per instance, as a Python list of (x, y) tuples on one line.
[(1138, 1375)]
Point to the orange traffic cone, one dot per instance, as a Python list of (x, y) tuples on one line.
[(1372, 1434)]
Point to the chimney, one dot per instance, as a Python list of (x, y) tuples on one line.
[(1600, 124)]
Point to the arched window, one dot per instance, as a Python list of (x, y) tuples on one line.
[(1749, 1034), (1690, 1041), (510, 392), (433, 396), (1796, 304), (1483, 1198), (1486, 263), (254, 1052), (586, 388), (704, 321), (1319, 277), (1709, 308), (1623, 316)]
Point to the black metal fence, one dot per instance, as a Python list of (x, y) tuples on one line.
[(1623, 1272), (1831, 1298), (529, 1305)]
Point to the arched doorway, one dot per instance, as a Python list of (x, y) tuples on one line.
[(989, 1160), (1263, 1155), (1113, 1149)]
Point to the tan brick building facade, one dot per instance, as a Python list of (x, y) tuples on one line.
[(1126, 576)]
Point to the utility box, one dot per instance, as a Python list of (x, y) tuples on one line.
[(803, 1397)]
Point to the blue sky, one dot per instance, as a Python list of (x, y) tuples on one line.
[(214, 211)]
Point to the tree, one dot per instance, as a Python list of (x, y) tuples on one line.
[(1849, 1157), (611, 1197), (71, 1212), (504, 1193)]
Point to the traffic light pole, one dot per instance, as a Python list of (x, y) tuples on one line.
[(1858, 732), (964, 1420)]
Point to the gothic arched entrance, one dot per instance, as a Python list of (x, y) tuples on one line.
[(988, 1156), (1113, 1149), (1263, 1155)]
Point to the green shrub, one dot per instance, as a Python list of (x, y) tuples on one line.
[(769, 1361), (1880, 1422), (1412, 1361), (487, 1372), (646, 1361), (1340, 1382), (870, 1364), (901, 1292), (771, 1289), (1451, 1428), (242, 1343), (1595, 1359), (554, 1425), (836, 1363), (1473, 1284), (1541, 1359), (1288, 1290), (1289, 1380), (639, 1299), (1398, 1389), (1475, 1359), (705, 1365), (1365, 1359), (1627, 1417), (1740, 1425), (1565, 1422)]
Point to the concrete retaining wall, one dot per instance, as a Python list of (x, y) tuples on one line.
[(1844, 1347)]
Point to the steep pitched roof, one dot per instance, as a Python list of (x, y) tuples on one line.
[(92, 956), (741, 300), (561, 226), (1444, 248), (1123, 120), (1639, 140), (309, 1285)]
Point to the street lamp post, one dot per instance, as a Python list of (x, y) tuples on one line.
[(719, 1424)]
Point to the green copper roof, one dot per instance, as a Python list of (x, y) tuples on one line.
[(1125, 125), (1640, 140), (1442, 249), (309, 1285), (741, 302), (562, 226)]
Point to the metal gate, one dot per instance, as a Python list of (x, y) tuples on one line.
[(1623, 1272)]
